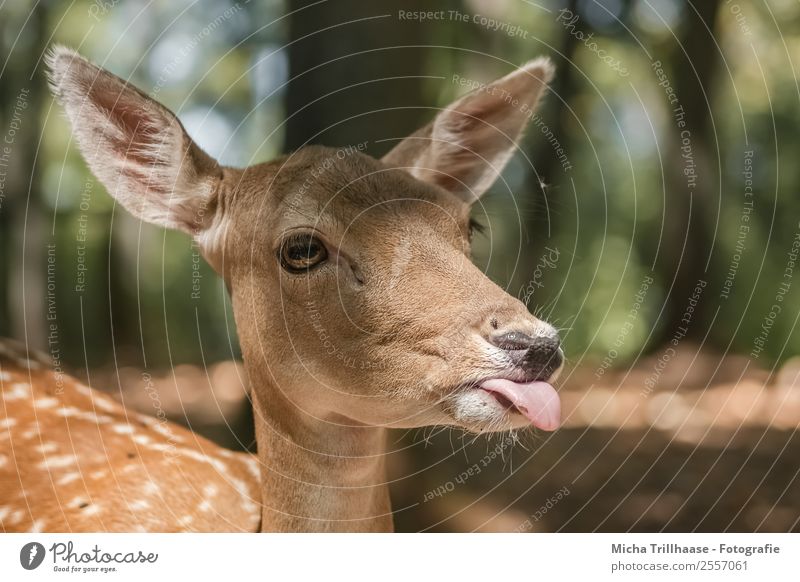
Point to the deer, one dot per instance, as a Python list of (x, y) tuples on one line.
[(358, 311)]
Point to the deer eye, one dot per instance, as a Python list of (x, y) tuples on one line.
[(302, 252)]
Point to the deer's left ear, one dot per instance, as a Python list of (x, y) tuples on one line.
[(135, 146), (467, 145)]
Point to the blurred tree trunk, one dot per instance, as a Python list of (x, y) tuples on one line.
[(6, 98), (23, 224), (352, 85), (540, 220), (690, 211)]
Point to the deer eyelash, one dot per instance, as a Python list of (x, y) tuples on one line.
[(476, 227)]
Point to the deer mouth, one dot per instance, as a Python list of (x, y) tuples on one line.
[(537, 401)]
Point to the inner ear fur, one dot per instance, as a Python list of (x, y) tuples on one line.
[(136, 147), (468, 144)]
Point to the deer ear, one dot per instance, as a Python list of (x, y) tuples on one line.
[(467, 145), (136, 147)]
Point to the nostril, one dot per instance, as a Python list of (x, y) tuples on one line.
[(545, 345), (538, 356), (513, 341), (544, 357)]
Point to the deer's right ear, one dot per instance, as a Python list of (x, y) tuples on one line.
[(470, 141), (136, 147)]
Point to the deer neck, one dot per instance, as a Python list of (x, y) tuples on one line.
[(318, 472)]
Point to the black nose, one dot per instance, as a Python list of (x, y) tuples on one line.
[(538, 356)]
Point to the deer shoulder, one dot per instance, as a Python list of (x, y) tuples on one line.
[(73, 459)]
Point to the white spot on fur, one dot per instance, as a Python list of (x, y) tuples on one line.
[(200, 457), (141, 439), (5, 376), (72, 412), (3, 460), (205, 506), (104, 404), (91, 510), (164, 430), (140, 504), (31, 433), (85, 390), (186, 520), (58, 462), (151, 488), (16, 517), (68, 478), (8, 422), (46, 402), (240, 486), (98, 474), (67, 411), (18, 391), (244, 491), (47, 448), (4, 512), (122, 429), (210, 490), (252, 465), (37, 527), (249, 507)]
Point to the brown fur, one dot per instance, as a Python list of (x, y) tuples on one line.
[(392, 331)]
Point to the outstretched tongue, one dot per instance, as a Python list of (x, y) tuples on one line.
[(538, 401)]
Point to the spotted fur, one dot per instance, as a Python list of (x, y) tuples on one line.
[(73, 459)]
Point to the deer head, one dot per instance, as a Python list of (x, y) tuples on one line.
[(355, 299)]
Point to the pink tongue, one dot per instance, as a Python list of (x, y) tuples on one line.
[(538, 401)]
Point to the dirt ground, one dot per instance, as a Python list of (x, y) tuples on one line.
[(609, 481)]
